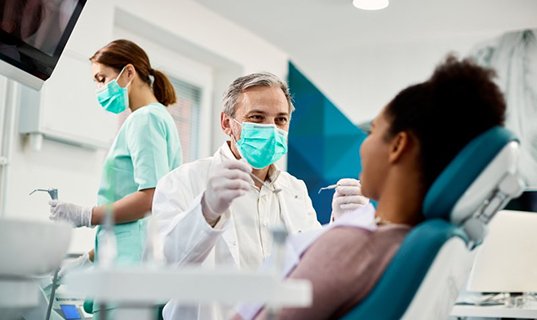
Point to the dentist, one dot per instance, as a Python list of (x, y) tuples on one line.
[(219, 210)]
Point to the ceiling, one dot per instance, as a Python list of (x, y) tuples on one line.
[(320, 27), (359, 59)]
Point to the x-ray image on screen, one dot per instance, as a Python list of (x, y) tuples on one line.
[(33, 33)]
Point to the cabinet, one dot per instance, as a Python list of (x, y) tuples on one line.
[(66, 109)]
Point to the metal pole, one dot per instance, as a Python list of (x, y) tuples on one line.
[(52, 293), (9, 88)]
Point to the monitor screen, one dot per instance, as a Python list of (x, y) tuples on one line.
[(33, 33), (70, 312)]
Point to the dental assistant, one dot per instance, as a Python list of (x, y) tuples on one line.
[(146, 148), (213, 211)]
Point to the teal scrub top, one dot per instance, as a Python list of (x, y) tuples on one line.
[(146, 148)]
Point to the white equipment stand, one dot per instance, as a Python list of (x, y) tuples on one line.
[(139, 289), (27, 249)]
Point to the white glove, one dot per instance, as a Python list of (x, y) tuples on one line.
[(348, 197), (81, 262), (76, 215), (230, 180)]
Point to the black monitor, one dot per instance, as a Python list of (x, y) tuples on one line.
[(33, 34), (526, 202)]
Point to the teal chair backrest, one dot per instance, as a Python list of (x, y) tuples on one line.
[(393, 293), (462, 171)]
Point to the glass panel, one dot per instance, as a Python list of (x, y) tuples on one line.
[(186, 112)]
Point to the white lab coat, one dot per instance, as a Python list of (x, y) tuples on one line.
[(188, 239)]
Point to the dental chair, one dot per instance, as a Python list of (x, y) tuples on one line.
[(434, 260)]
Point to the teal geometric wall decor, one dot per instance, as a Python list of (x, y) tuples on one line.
[(324, 145)]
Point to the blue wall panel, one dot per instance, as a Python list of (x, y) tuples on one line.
[(323, 143)]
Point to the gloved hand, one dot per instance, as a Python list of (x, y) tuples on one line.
[(81, 262), (348, 197), (230, 180), (76, 215)]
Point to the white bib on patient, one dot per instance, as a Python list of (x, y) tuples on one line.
[(363, 217)]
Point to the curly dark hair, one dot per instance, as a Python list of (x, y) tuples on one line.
[(444, 113)]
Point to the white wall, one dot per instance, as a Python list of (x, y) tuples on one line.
[(207, 37), (203, 28), (360, 85), (198, 34)]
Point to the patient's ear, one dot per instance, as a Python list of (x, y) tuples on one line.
[(402, 144)]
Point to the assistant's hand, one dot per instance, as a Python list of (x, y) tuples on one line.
[(348, 197), (76, 215), (81, 262), (229, 181)]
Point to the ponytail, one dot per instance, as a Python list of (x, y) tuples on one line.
[(163, 88), (119, 53)]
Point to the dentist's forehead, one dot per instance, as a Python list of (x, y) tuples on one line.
[(263, 99)]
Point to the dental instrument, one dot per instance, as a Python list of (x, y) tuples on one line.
[(52, 192), (332, 186)]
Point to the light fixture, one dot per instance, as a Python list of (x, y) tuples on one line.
[(370, 4)]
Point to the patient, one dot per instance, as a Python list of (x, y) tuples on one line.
[(411, 141)]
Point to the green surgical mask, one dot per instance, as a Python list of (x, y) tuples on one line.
[(261, 144), (112, 97)]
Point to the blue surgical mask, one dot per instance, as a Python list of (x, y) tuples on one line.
[(261, 144), (112, 97)]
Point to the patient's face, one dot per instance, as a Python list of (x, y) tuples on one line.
[(374, 154)]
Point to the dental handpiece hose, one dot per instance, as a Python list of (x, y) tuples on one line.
[(53, 193), (108, 248), (279, 240)]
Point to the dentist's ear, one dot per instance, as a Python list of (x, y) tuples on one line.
[(225, 124)]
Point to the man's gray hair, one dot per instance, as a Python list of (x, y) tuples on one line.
[(261, 79)]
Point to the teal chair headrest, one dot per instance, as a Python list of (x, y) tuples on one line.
[(462, 171)]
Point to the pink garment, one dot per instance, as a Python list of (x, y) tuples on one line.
[(343, 265)]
